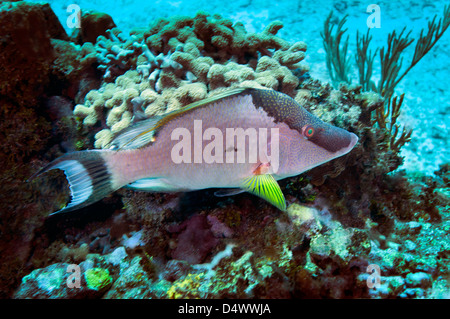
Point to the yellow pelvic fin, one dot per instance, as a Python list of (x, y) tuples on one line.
[(266, 187)]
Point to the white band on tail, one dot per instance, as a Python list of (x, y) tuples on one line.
[(80, 182)]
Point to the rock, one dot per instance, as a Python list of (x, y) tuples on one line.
[(418, 279), (175, 269), (64, 281), (339, 244), (387, 287), (395, 282), (98, 279), (58, 107), (219, 229), (410, 245), (117, 257), (300, 214), (414, 227), (93, 24), (132, 283), (54, 27), (381, 292), (195, 241), (26, 52), (412, 293)]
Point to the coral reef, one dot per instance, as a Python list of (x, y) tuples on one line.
[(342, 217), (180, 61), (92, 25), (61, 281), (195, 240), (304, 254), (391, 72), (116, 53), (97, 279), (42, 71), (29, 56)]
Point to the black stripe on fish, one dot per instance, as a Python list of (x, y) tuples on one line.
[(285, 109)]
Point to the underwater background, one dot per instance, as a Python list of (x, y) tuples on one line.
[(372, 224)]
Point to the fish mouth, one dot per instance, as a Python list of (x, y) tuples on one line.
[(349, 147)]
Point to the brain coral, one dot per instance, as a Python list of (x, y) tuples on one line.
[(180, 60)]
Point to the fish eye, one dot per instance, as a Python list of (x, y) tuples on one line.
[(308, 131)]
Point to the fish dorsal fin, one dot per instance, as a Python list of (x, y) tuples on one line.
[(266, 187), (169, 116), (137, 135), (143, 132), (210, 99)]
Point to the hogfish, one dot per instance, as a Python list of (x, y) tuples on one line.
[(244, 139)]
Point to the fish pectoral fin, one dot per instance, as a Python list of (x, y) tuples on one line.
[(228, 192), (266, 187), (151, 184)]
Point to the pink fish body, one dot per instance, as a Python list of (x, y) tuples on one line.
[(243, 138)]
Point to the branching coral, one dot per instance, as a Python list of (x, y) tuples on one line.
[(362, 187), (364, 60), (220, 38), (391, 61), (116, 53), (154, 68), (390, 57), (117, 105), (337, 61), (391, 67), (387, 119)]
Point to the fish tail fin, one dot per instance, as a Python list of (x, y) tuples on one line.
[(88, 175)]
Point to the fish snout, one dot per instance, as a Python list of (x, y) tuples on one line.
[(353, 140), (346, 141), (334, 139)]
